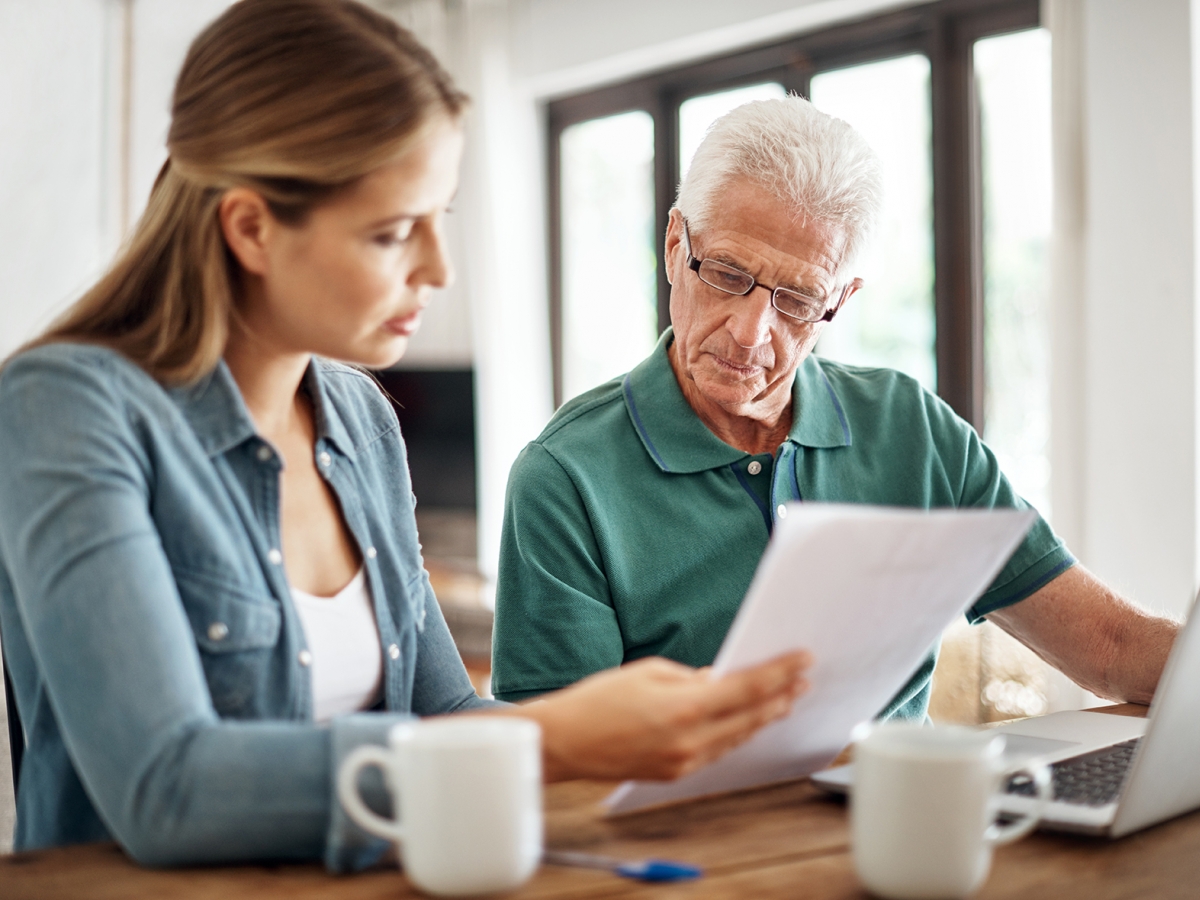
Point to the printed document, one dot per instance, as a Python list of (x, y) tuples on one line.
[(868, 591)]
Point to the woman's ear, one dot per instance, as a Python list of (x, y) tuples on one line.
[(248, 226)]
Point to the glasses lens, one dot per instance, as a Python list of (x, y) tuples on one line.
[(725, 278), (797, 306)]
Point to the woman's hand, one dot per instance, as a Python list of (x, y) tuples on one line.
[(656, 719)]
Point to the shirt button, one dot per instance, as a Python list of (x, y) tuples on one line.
[(304, 658), (326, 459), (372, 553), (264, 453), (393, 651), (754, 468), (274, 556), (218, 631), (781, 511)]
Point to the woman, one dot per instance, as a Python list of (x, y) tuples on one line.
[(190, 482)]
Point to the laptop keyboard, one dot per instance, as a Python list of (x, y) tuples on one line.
[(1093, 779)]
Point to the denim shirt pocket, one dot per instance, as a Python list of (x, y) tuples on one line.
[(236, 630)]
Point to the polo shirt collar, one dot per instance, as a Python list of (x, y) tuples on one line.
[(678, 441), (818, 417), (216, 412)]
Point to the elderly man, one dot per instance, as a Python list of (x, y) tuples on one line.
[(634, 523)]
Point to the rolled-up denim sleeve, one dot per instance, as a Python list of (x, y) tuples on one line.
[(349, 848), (441, 684), (116, 658)]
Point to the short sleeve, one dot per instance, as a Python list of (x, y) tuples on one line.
[(1041, 556), (555, 621)]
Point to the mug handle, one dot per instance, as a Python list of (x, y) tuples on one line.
[(347, 787), (1039, 774)]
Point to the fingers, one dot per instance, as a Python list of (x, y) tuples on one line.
[(782, 676), (705, 742), (767, 693), (715, 739), (658, 719)]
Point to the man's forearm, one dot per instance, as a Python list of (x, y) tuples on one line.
[(1100, 640)]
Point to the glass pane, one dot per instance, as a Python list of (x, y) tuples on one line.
[(610, 319), (696, 114), (890, 322), (1013, 80)]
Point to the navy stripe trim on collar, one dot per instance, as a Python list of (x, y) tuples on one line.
[(795, 481), (766, 514), (837, 405), (637, 423)]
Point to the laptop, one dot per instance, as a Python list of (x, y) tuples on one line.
[(1112, 774)]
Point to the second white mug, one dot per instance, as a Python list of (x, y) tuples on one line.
[(923, 809), (468, 795)]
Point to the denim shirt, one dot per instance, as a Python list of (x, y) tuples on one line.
[(156, 657)]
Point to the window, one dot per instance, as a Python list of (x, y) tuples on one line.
[(1013, 75), (609, 304), (891, 321)]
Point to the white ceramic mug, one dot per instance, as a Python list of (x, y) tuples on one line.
[(923, 807), (468, 794)]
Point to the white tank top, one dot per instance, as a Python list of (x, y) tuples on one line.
[(343, 638)]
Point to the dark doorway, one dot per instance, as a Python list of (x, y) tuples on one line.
[(436, 408)]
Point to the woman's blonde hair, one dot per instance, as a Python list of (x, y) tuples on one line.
[(295, 99)]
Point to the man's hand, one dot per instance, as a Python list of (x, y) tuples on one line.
[(1100, 640), (657, 719)]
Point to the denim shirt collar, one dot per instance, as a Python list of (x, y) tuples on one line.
[(217, 413), (679, 441)]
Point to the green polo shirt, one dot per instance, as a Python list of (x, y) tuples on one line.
[(631, 530)]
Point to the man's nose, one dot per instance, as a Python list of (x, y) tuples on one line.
[(750, 321)]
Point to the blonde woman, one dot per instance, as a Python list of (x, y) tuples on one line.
[(190, 483)]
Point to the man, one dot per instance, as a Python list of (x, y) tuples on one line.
[(634, 523)]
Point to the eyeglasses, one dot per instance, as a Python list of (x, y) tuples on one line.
[(735, 281)]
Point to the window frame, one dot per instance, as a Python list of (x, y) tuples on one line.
[(945, 32)]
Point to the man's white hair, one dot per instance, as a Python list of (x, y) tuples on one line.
[(817, 165)]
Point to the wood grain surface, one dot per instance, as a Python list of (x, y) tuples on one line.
[(787, 840)]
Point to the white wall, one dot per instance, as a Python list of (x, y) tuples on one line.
[(1125, 417), (568, 45), (53, 154), (71, 166), (162, 32)]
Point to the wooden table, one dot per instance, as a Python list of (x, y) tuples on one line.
[(788, 840)]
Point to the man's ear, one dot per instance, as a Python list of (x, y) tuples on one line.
[(851, 289), (673, 239), (248, 226)]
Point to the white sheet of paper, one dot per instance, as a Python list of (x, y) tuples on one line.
[(868, 590)]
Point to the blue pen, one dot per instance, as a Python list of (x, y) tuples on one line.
[(645, 870)]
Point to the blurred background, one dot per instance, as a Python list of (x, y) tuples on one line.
[(1036, 264)]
